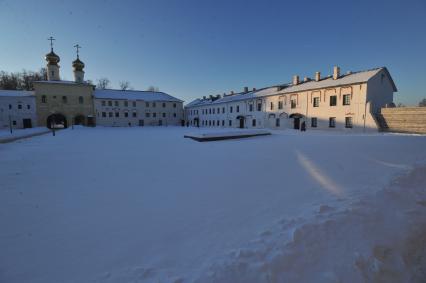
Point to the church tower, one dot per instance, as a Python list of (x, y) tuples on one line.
[(52, 63), (78, 67)]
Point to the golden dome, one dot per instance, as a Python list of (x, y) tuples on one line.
[(77, 64), (52, 58)]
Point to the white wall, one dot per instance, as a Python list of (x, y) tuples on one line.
[(27, 111)]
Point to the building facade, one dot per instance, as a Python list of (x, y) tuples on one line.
[(348, 101), (17, 109), (137, 108)]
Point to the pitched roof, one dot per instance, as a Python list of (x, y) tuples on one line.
[(346, 79), (134, 95), (16, 93)]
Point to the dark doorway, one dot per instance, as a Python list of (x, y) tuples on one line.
[(141, 123), (296, 123), (160, 123), (58, 121), (197, 122), (79, 120), (90, 121), (27, 123), (241, 123)]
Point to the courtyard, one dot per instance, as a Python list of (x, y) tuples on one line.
[(146, 205)]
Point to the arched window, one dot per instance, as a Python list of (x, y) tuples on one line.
[(43, 99), (80, 99)]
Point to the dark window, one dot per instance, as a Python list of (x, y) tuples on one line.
[(316, 101), (259, 106), (80, 99), (153, 104), (43, 99), (154, 115), (333, 100), (174, 105), (217, 123), (147, 115), (230, 123), (271, 106), (126, 103), (238, 108), (332, 122), (110, 114), (115, 103), (253, 122), (109, 103), (134, 103), (134, 114), (146, 104), (277, 122), (164, 115), (126, 114), (10, 106), (223, 109), (348, 122), (280, 105), (223, 123), (19, 106), (103, 114), (28, 106), (174, 115), (213, 110), (117, 114), (230, 109), (314, 122), (250, 107), (14, 122), (64, 99), (346, 99), (293, 103), (164, 105), (103, 102)]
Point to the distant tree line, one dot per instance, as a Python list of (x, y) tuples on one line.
[(21, 80)]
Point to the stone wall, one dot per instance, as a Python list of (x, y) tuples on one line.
[(403, 120)]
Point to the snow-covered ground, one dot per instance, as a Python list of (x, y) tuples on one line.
[(146, 205), (5, 133)]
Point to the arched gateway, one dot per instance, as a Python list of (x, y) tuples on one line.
[(56, 120)]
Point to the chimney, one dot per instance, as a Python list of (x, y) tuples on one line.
[(245, 89), (317, 76), (295, 80), (254, 89), (336, 72)]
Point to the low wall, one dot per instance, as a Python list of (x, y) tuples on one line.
[(403, 119)]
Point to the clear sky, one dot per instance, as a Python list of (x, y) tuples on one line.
[(191, 48)]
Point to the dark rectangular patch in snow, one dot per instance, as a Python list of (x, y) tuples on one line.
[(226, 135)]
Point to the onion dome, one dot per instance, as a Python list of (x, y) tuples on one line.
[(77, 64), (52, 58)]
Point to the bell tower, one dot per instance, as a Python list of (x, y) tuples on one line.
[(78, 67), (52, 63)]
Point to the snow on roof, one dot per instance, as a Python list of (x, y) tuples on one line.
[(346, 79), (63, 82), (16, 93), (134, 95)]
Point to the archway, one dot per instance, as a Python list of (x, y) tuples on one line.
[(79, 120), (57, 121), (296, 120), (197, 122), (241, 118)]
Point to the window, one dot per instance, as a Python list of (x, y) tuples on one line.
[(230, 123), (174, 105), (218, 111), (80, 99), (174, 115), (277, 122), (53, 73), (213, 122), (316, 101), (213, 110), (346, 99), (253, 122), (110, 114), (43, 99), (280, 105), (126, 103), (134, 114), (109, 103), (153, 104), (126, 114), (223, 109), (64, 99), (238, 108), (146, 104), (19, 106), (348, 122), (115, 103), (333, 100), (164, 105), (251, 107), (154, 115), (103, 102), (271, 106), (230, 109), (164, 115), (332, 122), (10, 106), (217, 123), (259, 106), (210, 111), (28, 106), (14, 122), (210, 122), (134, 103), (117, 114), (103, 114), (314, 122), (223, 123), (147, 115), (293, 103)]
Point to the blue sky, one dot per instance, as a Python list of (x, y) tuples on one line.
[(192, 48)]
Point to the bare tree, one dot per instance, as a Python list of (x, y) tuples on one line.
[(103, 83), (124, 85), (23, 80), (153, 88), (422, 103)]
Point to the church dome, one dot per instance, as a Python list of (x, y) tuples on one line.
[(52, 58), (78, 65)]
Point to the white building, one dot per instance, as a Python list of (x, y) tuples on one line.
[(137, 108), (18, 109), (348, 101)]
